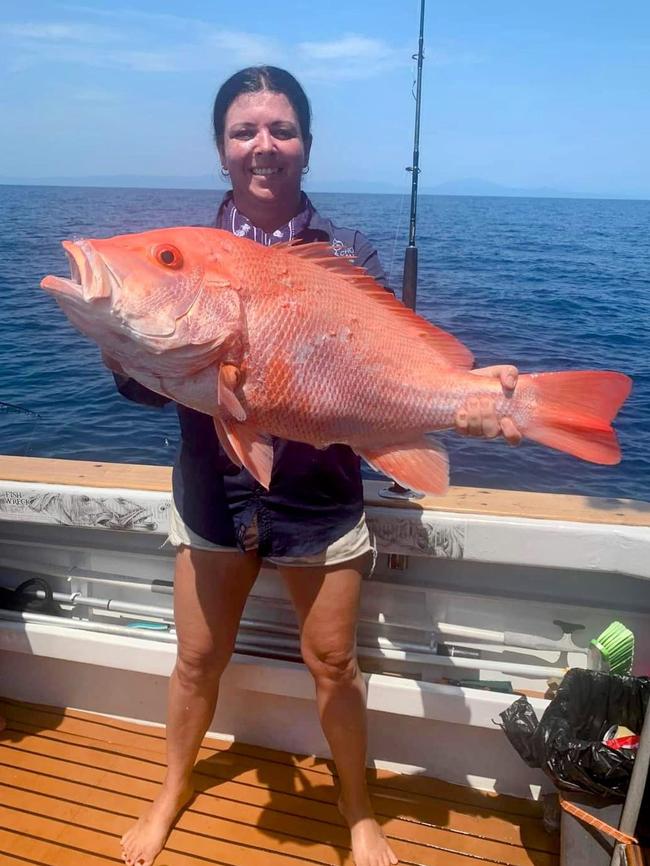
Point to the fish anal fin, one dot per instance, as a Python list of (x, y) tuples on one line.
[(247, 447), (227, 382), (422, 466), (451, 352)]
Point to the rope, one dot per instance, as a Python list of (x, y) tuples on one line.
[(11, 407), (596, 823)]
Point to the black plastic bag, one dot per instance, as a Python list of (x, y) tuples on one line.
[(567, 742)]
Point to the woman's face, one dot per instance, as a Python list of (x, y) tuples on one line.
[(263, 149)]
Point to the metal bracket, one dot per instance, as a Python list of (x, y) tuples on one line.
[(396, 491)]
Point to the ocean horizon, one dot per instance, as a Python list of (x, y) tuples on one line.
[(453, 189)]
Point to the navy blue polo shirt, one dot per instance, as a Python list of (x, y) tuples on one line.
[(315, 495)]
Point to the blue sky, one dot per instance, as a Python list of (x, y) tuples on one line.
[(523, 94)]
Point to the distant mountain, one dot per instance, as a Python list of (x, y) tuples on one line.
[(153, 181), (204, 181), (355, 186), (462, 186), (477, 186)]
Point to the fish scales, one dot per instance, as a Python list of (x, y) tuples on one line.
[(321, 359)]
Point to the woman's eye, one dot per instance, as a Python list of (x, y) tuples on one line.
[(284, 132)]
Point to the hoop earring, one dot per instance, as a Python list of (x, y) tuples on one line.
[(225, 174), (305, 170)]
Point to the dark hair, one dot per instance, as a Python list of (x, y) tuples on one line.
[(256, 78)]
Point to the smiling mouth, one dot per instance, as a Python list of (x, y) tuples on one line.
[(265, 172)]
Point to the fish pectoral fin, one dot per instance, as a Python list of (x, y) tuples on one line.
[(422, 466), (222, 436), (247, 447), (228, 379)]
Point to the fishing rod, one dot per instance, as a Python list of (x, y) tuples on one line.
[(11, 407), (410, 277)]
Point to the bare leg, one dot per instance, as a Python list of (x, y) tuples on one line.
[(327, 604), (210, 590)]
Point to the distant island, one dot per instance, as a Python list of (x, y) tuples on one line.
[(461, 187)]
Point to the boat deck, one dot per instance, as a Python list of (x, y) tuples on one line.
[(72, 782)]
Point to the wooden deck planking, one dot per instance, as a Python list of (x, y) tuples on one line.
[(153, 738), (463, 500), (128, 736), (278, 813), (71, 783)]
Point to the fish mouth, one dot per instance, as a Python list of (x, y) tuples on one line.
[(90, 277), (99, 289)]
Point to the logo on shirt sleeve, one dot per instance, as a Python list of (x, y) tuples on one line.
[(340, 249)]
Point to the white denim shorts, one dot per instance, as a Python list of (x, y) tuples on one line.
[(354, 543)]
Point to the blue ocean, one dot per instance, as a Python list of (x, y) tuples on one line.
[(541, 283)]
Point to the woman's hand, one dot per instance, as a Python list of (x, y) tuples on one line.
[(478, 416)]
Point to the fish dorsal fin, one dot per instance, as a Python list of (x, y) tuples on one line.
[(452, 352), (314, 250)]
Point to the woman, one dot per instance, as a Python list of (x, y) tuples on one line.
[(310, 523)]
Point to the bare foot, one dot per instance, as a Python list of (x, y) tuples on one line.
[(369, 845), (142, 843)]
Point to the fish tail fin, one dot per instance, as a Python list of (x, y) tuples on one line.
[(574, 411)]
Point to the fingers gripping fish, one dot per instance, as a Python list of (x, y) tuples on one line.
[(291, 341)]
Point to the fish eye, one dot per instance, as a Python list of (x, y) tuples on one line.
[(168, 255)]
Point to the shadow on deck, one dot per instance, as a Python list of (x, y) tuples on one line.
[(72, 782)]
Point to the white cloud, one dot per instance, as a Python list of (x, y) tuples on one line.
[(153, 43), (57, 32), (245, 48), (349, 47), (174, 44), (352, 57)]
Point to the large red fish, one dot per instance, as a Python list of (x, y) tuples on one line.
[(292, 341)]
